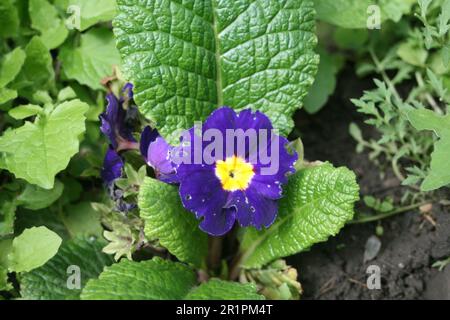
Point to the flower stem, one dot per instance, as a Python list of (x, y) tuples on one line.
[(387, 214), (215, 252)]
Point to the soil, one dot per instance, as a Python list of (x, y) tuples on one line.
[(410, 243)]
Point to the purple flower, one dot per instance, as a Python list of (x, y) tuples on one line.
[(112, 166), (236, 182), (157, 153), (114, 125)]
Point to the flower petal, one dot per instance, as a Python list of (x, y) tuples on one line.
[(112, 166)]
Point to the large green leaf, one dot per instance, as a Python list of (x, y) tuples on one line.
[(32, 249), (224, 290), (317, 202), (439, 174), (167, 220), (44, 18), (91, 12), (10, 66), (93, 60), (147, 280), (356, 13), (49, 282), (37, 151), (186, 58)]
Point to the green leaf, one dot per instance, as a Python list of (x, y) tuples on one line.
[(216, 289), (324, 84), (187, 58), (7, 95), (37, 71), (44, 18), (36, 198), (317, 203), (24, 111), (91, 12), (37, 151), (154, 279), (354, 14), (50, 282), (82, 220), (93, 60), (9, 18), (412, 54), (4, 285), (439, 174), (7, 217), (32, 249), (10, 66), (167, 220)]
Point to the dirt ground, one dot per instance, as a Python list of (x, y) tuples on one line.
[(410, 244)]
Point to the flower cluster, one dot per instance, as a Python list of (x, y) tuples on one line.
[(230, 168)]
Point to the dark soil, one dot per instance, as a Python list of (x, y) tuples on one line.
[(410, 243)]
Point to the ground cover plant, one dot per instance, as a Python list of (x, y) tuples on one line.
[(169, 149)]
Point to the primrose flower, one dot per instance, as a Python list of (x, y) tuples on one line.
[(157, 153), (112, 166), (233, 168)]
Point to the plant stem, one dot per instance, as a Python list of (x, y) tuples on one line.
[(215, 252), (387, 214)]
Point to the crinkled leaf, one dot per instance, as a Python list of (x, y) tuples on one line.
[(154, 279), (167, 220), (32, 249), (44, 18), (50, 282), (91, 12), (93, 60), (35, 198), (224, 290), (10, 66), (37, 151), (186, 58), (439, 174), (4, 285), (317, 202), (9, 18)]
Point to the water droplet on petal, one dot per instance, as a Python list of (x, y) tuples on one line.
[(269, 186), (252, 209), (188, 197)]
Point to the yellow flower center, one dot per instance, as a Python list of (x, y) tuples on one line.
[(234, 173)]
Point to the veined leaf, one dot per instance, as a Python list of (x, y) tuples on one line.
[(37, 151), (318, 201), (439, 174), (32, 249), (167, 220), (186, 58), (216, 289), (154, 279), (7, 216), (53, 280)]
